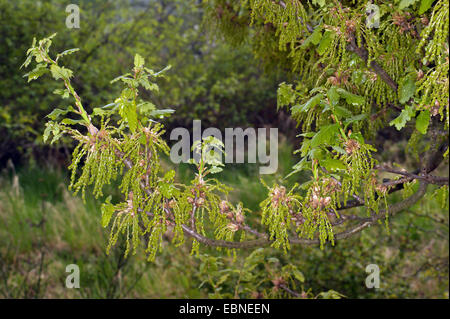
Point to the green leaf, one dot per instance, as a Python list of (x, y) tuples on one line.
[(351, 98), (60, 72), (27, 60), (147, 85), (64, 93), (407, 89), (407, 113), (342, 112), (107, 211), (317, 154), (53, 128), (325, 42), (58, 112), (71, 121), (422, 121), (138, 61), (300, 166), (159, 73), (49, 127), (358, 136), (285, 95), (123, 77), (161, 113), (100, 111), (332, 164), (67, 52), (38, 71), (353, 119), (312, 102), (215, 169), (359, 77), (298, 275), (339, 149), (131, 116), (326, 135), (406, 3), (146, 107), (314, 38), (127, 111), (307, 134), (425, 5), (333, 96), (319, 2), (306, 146)]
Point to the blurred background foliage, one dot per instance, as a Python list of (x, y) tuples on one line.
[(43, 228), (209, 79)]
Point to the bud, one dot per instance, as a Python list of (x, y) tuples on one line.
[(172, 203), (325, 201), (200, 183), (278, 281), (233, 227), (382, 188), (331, 185), (300, 221), (420, 74), (315, 201), (351, 146), (351, 25), (239, 217), (102, 134), (92, 130), (200, 201), (223, 207), (146, 130)]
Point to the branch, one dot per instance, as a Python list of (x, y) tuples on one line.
[(434, 160), (264, 239), (364, 55), (289, 290), (392, 211), (427, 178)]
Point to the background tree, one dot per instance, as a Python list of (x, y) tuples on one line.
[(372, 106), (205, 74)]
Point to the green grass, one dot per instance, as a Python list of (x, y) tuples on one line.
[(43, 228)]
